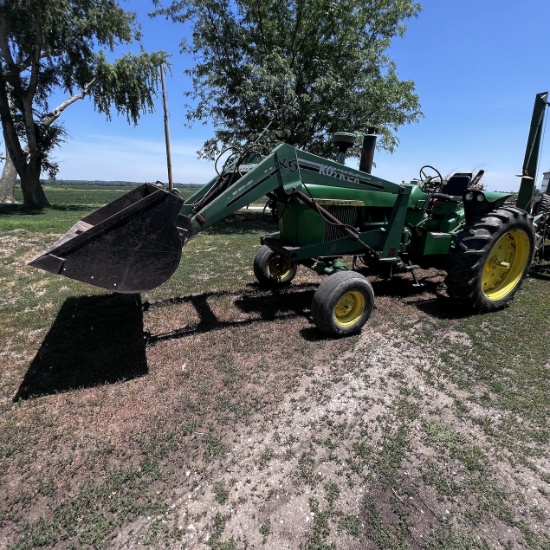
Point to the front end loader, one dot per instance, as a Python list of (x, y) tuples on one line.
[(326, 211)]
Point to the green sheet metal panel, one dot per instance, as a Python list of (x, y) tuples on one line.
[(299, 224), (435, 243)]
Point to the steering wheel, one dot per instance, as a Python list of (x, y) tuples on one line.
[(430, 183)]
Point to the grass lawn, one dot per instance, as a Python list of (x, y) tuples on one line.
[(209, 413)]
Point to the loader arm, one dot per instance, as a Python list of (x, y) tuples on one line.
[(291, 173), (286, 172), (277, 172)]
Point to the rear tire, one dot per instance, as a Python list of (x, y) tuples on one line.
[(490, 259), (342, 304), (273, 270)]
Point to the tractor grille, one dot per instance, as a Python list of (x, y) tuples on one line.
[(346, 214)]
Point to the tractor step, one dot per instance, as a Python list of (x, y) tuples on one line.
[(412, 268)]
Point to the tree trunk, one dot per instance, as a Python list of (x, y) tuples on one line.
[(33, 194), (27, 165), (7, 181)]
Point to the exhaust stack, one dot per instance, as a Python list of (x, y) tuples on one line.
[(367, 152)]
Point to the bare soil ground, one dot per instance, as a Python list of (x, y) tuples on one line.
[(223, 419)]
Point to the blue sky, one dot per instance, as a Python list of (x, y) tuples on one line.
[(477, 66)]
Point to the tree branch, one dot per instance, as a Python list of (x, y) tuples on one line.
[(35, 62), (53, 115), (4, 44)]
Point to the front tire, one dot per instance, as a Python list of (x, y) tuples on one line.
[(273, 270), (342, 304), (490, 260)]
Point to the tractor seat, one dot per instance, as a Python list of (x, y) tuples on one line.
[(456, 185)]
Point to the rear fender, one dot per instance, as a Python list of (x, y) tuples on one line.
[(479, 203)]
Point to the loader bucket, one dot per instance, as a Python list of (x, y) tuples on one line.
[(130, 245)]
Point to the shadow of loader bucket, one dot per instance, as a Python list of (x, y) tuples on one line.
[(130, 245)]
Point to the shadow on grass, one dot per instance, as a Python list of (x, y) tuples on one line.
[(94, 340), (293, 302), (290, 303), (20, 210), (429, 298)]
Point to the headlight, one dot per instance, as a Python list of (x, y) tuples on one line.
[(469, 196), (480, 197)]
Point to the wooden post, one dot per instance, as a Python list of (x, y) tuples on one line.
[(166, 130)]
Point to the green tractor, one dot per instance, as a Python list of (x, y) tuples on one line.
[(326, 211)]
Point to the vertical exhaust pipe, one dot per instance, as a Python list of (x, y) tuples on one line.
[(367, 152)]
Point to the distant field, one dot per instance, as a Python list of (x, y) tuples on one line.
[(101, 183)]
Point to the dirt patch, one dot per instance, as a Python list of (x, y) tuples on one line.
[(312, 469)]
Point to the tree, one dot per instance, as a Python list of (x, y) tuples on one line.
[(48, 45), (308, 68), (54, 135)]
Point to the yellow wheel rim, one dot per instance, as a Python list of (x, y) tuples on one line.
[(505, 265), (278, 267), (349, 308)]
